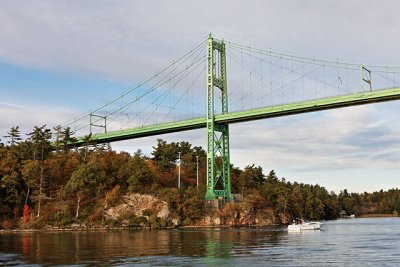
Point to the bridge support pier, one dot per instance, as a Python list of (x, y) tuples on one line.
[(218, 156)]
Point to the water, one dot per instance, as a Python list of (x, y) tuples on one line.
[(352, 242)]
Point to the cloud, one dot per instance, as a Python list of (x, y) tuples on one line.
[(28, 117), (130, 40), (314, 148), (348, 138)]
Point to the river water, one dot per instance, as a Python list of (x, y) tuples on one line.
[(350, 242)]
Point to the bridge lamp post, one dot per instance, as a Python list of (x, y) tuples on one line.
[(179, 169), (197, 171)]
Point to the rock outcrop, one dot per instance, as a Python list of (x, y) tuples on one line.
[(136, 205)]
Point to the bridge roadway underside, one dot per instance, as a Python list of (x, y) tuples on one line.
[(250, 115)]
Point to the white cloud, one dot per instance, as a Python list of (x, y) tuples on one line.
[(313, 148), (28, 117), (348, 138), (130, 40)]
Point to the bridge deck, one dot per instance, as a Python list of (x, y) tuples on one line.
[(249, 115)]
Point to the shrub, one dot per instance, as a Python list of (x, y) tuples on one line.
[(113, 196), (137, 221), (147, 212), (7, 225), (155, 222), (187, 221), (63, 216), (97, 215)]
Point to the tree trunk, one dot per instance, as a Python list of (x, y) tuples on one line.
[(41, 182), (27, 196), (78, 205), (16, 209)]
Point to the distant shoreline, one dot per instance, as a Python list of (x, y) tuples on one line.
[(93, 229), (377, 216)]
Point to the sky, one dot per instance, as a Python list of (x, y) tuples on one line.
[(61, 59)]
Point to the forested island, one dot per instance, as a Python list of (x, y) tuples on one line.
[(46, 183)]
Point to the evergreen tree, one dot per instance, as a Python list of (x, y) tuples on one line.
[(14, 135), (165, 155), (83, 183), (67, 138), (40, 138), (138, 173)]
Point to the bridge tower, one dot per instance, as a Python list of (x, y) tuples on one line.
[(218, 157)]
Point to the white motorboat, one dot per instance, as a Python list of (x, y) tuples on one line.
[(302, 225)]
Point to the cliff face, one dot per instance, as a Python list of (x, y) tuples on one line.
[(145, 210), (137, 206), (243, 214), (151, 208)]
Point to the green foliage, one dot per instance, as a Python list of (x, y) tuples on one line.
[(14, 136), (397, 204), (112, 196), (187, 204), (155, 222), (63, 216), (251, 177), (147, 212), (166, 156), (137, 173), (64, 138), (85, 179), (31, 173), (135, 221), (192, 206), (85, 182)]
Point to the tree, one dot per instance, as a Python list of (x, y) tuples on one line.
[(57, 130), (192, 204), (297, 201), (31, 172), (271, 177), (67, 139), (235, 182), (11, 178), (11, 162), (14, 135), (251, 177), (331, 208), (40, 138), (84, 182), (165, 155), (397, 203), (84, 151), (283, 196), (138, 173), (346, 202), (111, 163), (60, 166)]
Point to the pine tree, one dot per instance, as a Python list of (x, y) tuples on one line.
[(40, 138), (14, 134)]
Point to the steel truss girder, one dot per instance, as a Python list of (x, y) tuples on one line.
[(218, 157)]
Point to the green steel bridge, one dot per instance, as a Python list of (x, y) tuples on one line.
[(264, 84)]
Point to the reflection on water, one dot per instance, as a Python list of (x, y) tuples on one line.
[(358, 241), (107, 246)]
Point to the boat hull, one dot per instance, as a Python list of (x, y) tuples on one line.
[(304, 227)]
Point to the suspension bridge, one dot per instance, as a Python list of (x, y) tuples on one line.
[(193, 91)]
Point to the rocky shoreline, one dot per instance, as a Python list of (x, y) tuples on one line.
[(144, 211), (92, 229)]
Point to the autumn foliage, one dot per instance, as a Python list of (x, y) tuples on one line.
[(43, 182)]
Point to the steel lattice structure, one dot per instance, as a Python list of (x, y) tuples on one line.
[(288, 82), (218, 158)]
